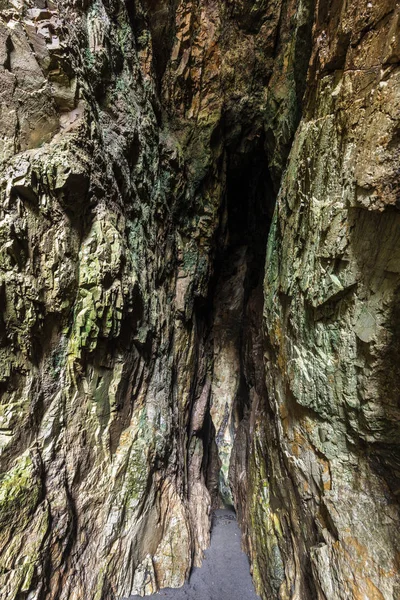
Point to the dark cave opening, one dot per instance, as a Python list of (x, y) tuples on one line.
[(250, 200), (236, 307)]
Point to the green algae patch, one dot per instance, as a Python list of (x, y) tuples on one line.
[(28, 567), (137, 473), (137, 463), (265, 527), (19, 493)]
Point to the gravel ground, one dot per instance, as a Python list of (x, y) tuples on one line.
[(225, 574)]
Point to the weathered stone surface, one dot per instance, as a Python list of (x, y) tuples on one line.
[(330, 507), (143, 144)]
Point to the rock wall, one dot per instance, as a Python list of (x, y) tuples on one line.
[(322, 512), (144, 144)]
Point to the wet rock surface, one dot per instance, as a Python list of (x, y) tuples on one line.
[(225, 572), (199, 293)]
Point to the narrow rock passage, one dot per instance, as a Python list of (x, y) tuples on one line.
[(225, 573)]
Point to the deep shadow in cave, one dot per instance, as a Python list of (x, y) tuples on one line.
[(236, 304), (231, 315)]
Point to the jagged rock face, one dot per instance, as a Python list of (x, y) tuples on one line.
[(326, 459), (113, 190), (143, 146)]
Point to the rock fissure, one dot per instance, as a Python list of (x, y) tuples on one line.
[(199, 277), (236, 303)]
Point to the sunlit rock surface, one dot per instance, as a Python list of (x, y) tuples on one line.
[(156, 359), (332, 474)]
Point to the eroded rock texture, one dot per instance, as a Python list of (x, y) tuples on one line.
[(331, 476), (148, 370)]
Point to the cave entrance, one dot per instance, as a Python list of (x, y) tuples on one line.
[(237, 307)]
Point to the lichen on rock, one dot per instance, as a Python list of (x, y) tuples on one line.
[(199, 275)]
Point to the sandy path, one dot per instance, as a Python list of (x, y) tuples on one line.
[(225, 573)]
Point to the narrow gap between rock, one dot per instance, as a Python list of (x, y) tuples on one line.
[(237, 305), (232, 320)]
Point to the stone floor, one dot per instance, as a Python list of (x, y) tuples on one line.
[(225, 574)]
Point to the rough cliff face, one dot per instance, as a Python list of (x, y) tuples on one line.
[(326, 461), (156, 358)]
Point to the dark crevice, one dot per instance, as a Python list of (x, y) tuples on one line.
[(158, 17), (9, 51), (233, 308)]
